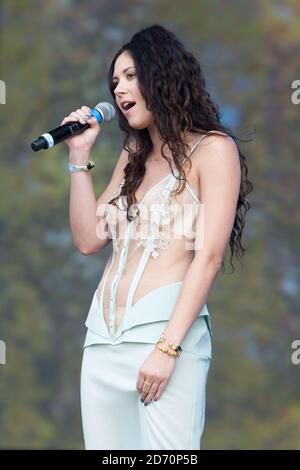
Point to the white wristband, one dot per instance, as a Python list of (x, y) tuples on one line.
[(76, 168)]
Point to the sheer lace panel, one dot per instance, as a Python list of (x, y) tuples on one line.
[(155, 248)]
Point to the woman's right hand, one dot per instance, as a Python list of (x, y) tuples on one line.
[(86, 139)]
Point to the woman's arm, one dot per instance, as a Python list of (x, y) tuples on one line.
[(84, 216), (218, 168)]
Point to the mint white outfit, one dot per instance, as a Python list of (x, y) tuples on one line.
[(138, 293)]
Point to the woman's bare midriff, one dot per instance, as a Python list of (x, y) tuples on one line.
[(157, 273), (174, 271)]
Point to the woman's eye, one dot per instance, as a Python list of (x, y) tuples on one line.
[(129, 75)]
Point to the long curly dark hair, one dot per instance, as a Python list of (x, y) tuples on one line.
[(174, 89)]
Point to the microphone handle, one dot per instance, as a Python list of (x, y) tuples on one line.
[(58, 134), (48, 139), (66, 130)]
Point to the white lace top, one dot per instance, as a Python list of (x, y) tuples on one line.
[(150, 256)]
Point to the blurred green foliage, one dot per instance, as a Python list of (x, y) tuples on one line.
[(54, 58)]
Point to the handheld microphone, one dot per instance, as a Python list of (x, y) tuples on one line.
[(102, 112)]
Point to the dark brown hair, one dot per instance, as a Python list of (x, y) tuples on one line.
[(174, 89)]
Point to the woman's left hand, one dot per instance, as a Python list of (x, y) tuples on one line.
[(154, 375)]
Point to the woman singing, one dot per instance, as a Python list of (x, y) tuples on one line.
[(173, 205)]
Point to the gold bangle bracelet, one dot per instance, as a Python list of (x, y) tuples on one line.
[(175, 347), (167, 351)]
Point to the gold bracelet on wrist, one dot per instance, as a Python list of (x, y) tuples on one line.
[(175, 348), (167, 351)]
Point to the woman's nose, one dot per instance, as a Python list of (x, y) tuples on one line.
[(120, 89)]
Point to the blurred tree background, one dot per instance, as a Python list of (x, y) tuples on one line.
[(54, 58)]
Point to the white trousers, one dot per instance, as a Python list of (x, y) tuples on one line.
[(113, 416)]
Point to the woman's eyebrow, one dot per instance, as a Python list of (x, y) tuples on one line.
[(125, 70)]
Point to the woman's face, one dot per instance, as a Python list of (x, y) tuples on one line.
[(127, 89)]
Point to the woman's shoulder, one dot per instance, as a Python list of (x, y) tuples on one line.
[(214, 140), (215, 133), (215, 145)]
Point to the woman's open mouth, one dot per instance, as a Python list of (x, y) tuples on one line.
[(127, 106)]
